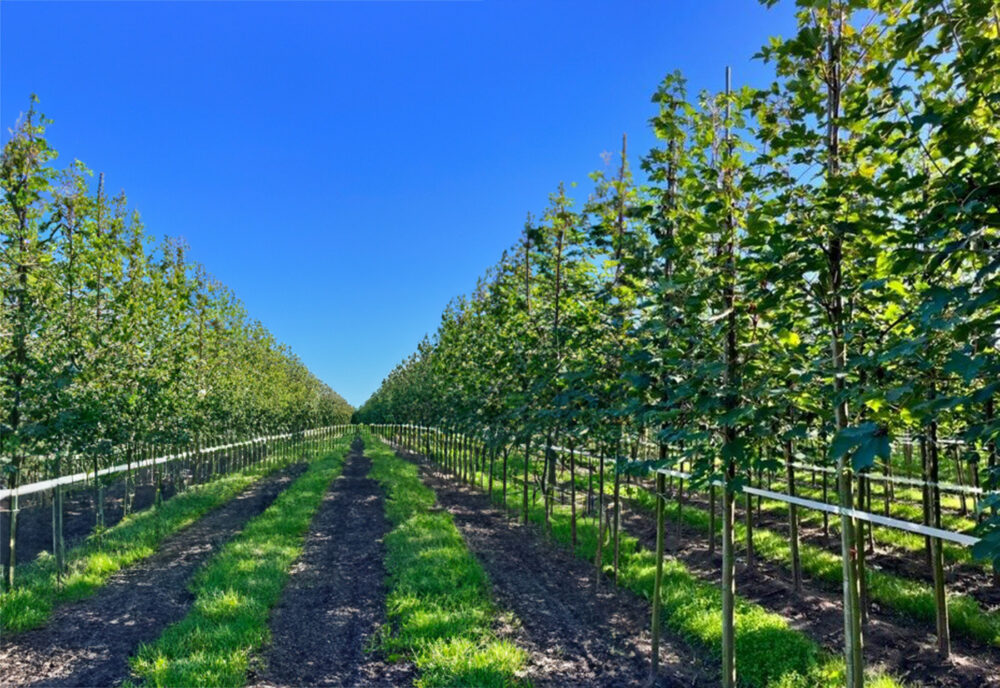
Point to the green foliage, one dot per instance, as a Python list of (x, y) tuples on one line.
[(113, 344), (809, 273)]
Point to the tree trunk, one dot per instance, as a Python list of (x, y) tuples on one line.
[(572, 498), (661, 486), (937, 555), (527, 454), (793, 519)]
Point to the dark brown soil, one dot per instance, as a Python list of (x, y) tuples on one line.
[(576, 636), (905, 648), (89, 643), (335, 598), (34, 523)]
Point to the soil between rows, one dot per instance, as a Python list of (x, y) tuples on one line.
[(88, 643), (575, 636), (334, 601)]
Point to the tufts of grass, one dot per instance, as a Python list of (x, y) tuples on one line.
[(134, 538), (234, 593), (439, 607)]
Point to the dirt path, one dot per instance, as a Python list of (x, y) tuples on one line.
[(574, 636), (89, 643), (902, 646), (335, 598)]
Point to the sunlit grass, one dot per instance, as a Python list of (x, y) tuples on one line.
[(234, 593), (439, 608)]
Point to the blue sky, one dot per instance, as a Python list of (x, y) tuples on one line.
[(349, 167)]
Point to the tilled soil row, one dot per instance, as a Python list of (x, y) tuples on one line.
[(88, 643), (575, 634), (334, 602)]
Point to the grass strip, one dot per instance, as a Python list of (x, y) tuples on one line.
[(135, 537), (235, 591), (439, 607), (769, 654)]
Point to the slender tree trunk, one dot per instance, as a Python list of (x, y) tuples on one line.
[(599, 557), (527, 454), (10, 565), (991, 467), (661, 486), (506, 453), (732, 382), (572, 498), (859, 539), (748, 525), (493, 461), (826, 516), (937, 555), (961, 480), (616, 525), (728, 580), (98, 496), (853, 639), (926, 498), (793, 519)]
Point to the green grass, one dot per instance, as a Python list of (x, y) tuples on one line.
[(234, 593), (439, 607), (768, 652), (134, 538)]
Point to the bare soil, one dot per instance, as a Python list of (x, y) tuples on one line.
[(88, 643), (334, 602), (576, 634)]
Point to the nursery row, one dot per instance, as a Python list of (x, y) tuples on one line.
[(115, 350), (805, 273)]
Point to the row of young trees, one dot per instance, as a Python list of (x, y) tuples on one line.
[(814, 262), (111, 343)]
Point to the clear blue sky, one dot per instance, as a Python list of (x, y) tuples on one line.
[(349, 167)]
